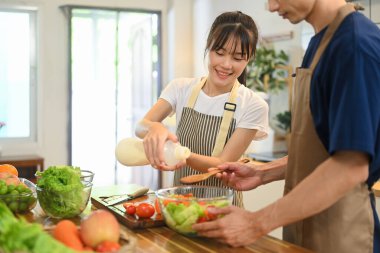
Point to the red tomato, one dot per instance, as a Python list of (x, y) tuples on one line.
[(201, 219), (210, 216), (107, 246), (145, 210), (131, 210)]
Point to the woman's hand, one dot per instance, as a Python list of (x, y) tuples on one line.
[(171, 168), (154, 142)]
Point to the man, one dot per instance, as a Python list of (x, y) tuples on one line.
[(334, 154)]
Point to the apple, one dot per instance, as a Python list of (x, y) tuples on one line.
[(99, 226), (9, 178)]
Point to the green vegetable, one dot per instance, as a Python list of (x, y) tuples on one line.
[(181, 217), (60, 192), (17, 235)]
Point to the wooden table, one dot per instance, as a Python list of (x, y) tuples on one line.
[(164, 240)]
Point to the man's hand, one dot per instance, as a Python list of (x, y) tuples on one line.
[(240, 176), (237, 228)]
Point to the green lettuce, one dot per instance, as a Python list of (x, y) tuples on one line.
[(60, 191)]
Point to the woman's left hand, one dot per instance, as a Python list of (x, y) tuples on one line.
[(165, 167)]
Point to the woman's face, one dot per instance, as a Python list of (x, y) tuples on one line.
[(226, 64)]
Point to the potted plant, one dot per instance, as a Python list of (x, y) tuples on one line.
[(284, 122), (264, 72)]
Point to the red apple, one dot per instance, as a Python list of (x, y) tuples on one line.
[(99, 226)]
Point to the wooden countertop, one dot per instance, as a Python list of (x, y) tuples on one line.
[(163, 239)]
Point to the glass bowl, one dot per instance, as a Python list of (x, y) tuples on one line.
[(64, 202), (19, 198), (184, 206)]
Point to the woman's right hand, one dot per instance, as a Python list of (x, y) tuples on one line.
[(154, 142)]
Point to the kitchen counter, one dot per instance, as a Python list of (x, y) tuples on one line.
[(163, 239)]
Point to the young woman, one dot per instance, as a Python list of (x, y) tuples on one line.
[(216, 116)]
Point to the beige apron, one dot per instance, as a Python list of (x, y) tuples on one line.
[(206, 135), (348, 225)]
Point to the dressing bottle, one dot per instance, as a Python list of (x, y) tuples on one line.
[(130, 152)]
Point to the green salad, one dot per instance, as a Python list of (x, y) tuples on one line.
[(60, 191), (181, 215)]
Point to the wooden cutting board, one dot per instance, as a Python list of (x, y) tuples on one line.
[(133, 222)]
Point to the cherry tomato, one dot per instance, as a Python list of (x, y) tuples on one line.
[(201, 219), (210, 216), (145, 210), (131, 210), (107, 246)]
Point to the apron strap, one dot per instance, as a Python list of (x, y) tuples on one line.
[(194, 94), (342, 13), (229, 110)]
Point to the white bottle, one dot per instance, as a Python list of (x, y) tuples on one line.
[(130, 152)]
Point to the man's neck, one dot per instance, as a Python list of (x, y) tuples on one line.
[(324, 13)]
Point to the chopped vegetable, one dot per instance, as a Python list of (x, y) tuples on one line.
[(182, 214)]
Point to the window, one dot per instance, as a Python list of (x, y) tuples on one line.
[(115, 78), (17, 75)]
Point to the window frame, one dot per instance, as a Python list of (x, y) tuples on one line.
[(7, 142)]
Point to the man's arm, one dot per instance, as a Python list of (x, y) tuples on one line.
[(326, 185)]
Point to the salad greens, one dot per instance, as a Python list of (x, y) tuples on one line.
[(180, 216), (60, 191), (17, 235)]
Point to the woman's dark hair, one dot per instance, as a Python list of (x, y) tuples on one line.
[(241, 27)]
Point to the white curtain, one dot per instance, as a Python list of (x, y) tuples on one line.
[(114, 83)]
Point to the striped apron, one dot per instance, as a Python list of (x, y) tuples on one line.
[(346, 226), (206, 135)]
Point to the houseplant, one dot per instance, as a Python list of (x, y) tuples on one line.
[(284, 122), (264, 72)]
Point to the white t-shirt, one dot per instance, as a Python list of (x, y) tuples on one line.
[(251, 110)]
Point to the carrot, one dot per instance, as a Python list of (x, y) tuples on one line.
[(67, 232), (157, 206)]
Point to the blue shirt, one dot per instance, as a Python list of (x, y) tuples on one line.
[(345, 93)]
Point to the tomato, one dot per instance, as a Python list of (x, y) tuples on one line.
[(201, 219), (107, 246), (157, 206), (145, 210), (210, 216), (131, 210)]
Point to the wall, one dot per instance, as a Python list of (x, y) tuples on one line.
[(53, 94)]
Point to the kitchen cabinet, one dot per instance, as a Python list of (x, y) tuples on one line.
[(27, 165)]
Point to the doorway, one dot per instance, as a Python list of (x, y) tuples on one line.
[(115, 78)]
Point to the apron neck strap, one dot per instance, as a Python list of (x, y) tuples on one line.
[(228, 114), (229, 110), (342, 13)]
